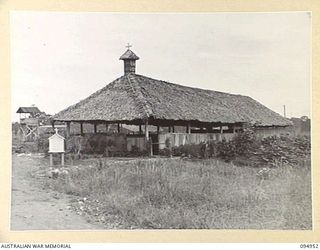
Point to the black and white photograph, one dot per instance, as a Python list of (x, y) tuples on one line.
[(147, 121)]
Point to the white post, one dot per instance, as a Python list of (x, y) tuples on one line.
[(62, 159), (51, 160), (146, 130), (147, 138), (107, 127)]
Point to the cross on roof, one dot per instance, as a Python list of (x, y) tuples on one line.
[(128, 46)]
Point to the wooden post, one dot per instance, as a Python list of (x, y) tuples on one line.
[(62, 159), (189, 128), (169, 129), (119, 128), (95, 128), (234, 129), (51, 160), (68, 129), (151, 148), (221, 132), (107, 127), (81, 128), (158, 129), (37, 131), (147, 139), (146, 129), (140, 130), (173, 129)]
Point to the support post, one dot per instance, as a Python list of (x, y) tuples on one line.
[(151, 147), (146, 130), (62, 159), (140, 129), (189, 128), (169, 129), (51, 160), (119, 128), (210, 128), (68, 129), (173, 129), (147, 139), (95, 128), (38, 131), (81, 128), (107, 127), (221, 130), (158, 129), (234, 129)]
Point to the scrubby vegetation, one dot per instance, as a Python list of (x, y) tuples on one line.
[(180, 194), (204, 188), (247, 149)]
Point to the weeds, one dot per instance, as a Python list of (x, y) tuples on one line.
[(177, 193)]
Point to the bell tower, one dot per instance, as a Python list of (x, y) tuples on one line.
[(129, 61)]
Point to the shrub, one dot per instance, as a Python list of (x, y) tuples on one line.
[(246, 149), (42, 144), (165, 152)]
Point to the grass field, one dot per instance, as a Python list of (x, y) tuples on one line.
[(169, 193)]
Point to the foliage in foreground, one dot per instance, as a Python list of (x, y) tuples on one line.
[(176, 193)]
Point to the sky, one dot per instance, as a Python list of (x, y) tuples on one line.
[(60, 58)]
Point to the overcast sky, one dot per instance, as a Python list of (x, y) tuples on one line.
[(59, 58)]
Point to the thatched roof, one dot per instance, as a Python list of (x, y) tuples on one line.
[(31, 110), (135, 97)]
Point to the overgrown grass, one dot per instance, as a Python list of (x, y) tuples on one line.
[(181, 194)]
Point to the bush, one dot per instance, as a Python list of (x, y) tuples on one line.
[(246, 149), (165, 152)]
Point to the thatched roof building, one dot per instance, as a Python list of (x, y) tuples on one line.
[(28, 110), (133, 98)]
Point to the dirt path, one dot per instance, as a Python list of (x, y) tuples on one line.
[(35, 207)]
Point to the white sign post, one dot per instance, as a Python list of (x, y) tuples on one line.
[(56, 145)]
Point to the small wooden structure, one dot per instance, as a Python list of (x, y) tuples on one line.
[(29, 123), (56, 146)]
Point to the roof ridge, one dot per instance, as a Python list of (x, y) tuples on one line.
[(140, 99)]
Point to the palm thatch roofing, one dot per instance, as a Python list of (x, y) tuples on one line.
[(133, 98)]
